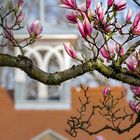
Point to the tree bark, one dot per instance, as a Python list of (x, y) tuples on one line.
[(26, 65)]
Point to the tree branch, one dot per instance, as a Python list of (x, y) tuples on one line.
[(137, 2), (118, 130), (137, 137), (108, 109), (57, 78)]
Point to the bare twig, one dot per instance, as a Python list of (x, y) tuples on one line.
[(108, 108)]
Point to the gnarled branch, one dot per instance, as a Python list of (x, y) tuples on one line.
[(57, 78), (108, 108)]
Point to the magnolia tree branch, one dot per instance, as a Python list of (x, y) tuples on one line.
[(109, 127), (108, 109), (136, 137), (110, 57), (105, 25), (26, 65), (137, 2)]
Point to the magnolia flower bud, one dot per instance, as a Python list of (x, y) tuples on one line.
[(72, 18), (106, 91), (81, 28), (107, 52), (134, 106), (136, 31), (121, 5), (70, 4), (35, 28), (70, 51), (88, 3), (100, 11), (129, 15), (135, 90), (135, 28), (110, 3), (136, 20), (104, 53), (131, 63), (85, 27), (119, 49)]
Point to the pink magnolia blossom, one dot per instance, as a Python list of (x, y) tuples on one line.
[(107, 52), (35, 28), (100, 11), (129, 15), (104, 53), (136, 31), (99, 138), (70, 51), (110, 3), (85, 27), (121, 5), (134, 106), (136, 20), (132, 63), (135, 28), (106, 91), (72, 18), (88, 3), (135, 90), (119, 49), (81, 28), (70, 4)]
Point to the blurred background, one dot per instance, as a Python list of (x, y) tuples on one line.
[(32, 103)]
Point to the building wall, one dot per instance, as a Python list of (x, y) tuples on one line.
[(26, 124)]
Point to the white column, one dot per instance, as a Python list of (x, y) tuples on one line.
[(42, 11), (42, 91)]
